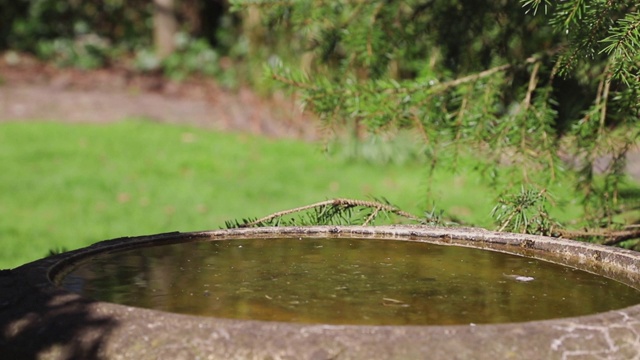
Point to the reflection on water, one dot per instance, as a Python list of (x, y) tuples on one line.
[(345, 281)]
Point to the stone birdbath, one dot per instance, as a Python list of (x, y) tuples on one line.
[(326, 292)]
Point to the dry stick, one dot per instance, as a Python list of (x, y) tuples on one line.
[(373, 215), (605, 98), (473, 77), (335, 202), (508, 220), (469, 78), (612, 237), (533, 82), (375, 204), (290, 82), (420, 126), (440, 87)]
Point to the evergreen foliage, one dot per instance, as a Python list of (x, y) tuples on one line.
[(336, 212), (536, 89), (524, 212)]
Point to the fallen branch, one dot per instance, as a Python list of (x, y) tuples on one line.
[(345, 203), (611, 237)]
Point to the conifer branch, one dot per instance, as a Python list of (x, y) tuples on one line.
[(623, 43), (431, 88), (374, 73), (469, 78), (292, 82), (337, 204), (373, 215)]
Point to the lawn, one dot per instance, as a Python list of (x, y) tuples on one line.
[(69, 185), (66, 186)]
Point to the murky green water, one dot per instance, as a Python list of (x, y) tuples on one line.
[(346, 281)]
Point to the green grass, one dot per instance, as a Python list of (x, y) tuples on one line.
[(65, 186)]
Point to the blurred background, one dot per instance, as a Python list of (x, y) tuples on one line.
[(122, 118)]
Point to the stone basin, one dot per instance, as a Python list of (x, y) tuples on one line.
[(41, 320)]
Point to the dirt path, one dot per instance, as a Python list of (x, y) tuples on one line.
[(32, 90)]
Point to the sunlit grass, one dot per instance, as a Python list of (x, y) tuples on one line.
[(65, 186)]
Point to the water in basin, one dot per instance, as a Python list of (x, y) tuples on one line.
[(345, 281)]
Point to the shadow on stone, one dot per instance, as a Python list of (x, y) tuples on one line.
[(48, 323), (40, 320)]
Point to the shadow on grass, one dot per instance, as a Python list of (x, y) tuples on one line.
[(36, 323)]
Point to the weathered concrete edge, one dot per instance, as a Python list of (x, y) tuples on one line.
[(141, 333)]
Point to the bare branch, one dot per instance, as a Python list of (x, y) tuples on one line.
[(611, 237)]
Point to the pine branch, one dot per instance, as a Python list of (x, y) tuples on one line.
[(625, 40), (336, 204), (415, 87), (291, 82), (378, 69), (575, 13), (373, 215), (535, 5)]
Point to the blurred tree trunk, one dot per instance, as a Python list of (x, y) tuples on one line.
[(253, 28), (201, 18), (164, 27)]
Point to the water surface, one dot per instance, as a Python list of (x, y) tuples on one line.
[(346, 281)]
